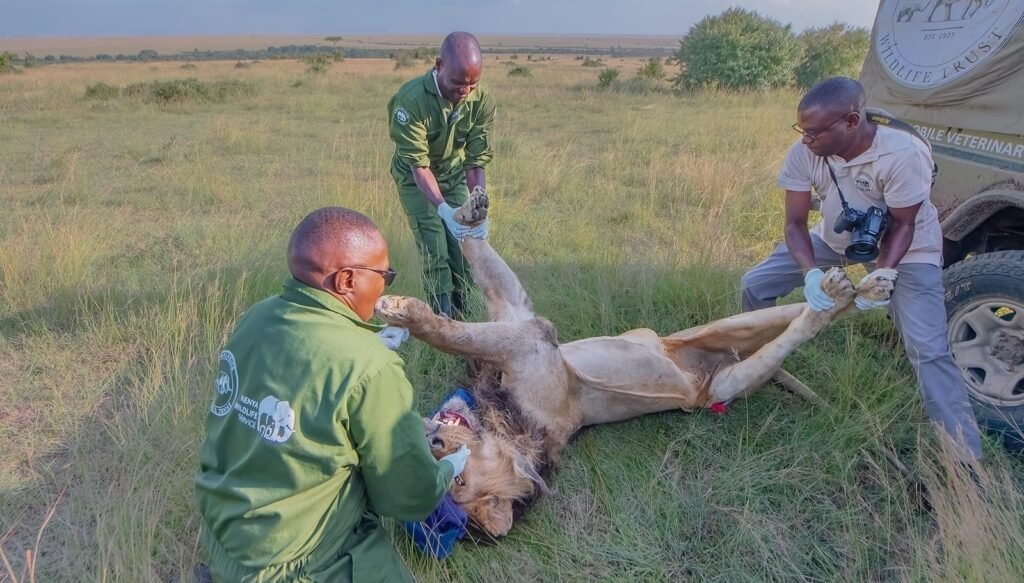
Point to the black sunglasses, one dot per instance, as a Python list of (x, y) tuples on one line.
[(388, 274)]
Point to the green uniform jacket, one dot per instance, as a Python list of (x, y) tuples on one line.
[(310, 436), (429, 132)]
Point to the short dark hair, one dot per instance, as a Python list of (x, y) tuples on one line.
[(332, 225), (836, 92)]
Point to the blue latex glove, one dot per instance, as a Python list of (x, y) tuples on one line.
[(480, 231), (866, 304), (447, 214), (393, 336), (457, 460), (816, 297)]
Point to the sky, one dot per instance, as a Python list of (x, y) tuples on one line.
[(215, 17)]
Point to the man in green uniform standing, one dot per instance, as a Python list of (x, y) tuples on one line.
[(441, 124), (311, 435)]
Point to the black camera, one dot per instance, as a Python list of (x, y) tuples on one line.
[(867, 227)]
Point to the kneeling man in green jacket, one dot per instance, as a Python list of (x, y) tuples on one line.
[(311, 436)]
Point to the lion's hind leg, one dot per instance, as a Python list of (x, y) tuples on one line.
[(742, 377)]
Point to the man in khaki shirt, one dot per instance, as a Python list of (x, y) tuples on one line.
[(874, 166)]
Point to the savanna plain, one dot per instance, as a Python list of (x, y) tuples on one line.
[(134, 232)]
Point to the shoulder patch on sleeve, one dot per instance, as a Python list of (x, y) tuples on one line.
[(402, 116)]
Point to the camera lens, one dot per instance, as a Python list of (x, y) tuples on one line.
[(862, 251)]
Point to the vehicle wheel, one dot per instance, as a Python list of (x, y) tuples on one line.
[(985, 311)]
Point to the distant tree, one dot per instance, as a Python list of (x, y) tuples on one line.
[(334, 40), (832, 50), (738, 49), (148, 55)]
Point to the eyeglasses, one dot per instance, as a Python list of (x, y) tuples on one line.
[(814, 135), (388, 274)]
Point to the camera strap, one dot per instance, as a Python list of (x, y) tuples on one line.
[(836, 182)]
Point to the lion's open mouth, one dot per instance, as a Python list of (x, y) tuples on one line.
[(452, 418)]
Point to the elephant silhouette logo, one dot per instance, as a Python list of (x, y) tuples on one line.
[(276, 421)]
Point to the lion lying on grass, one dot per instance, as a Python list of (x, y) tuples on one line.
[(545, 392)]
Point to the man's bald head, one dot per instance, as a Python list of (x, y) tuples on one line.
[(459, 66), (841, 94), (461, 49), (329, 239)]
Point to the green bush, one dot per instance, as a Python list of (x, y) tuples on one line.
[(102, 91), (317, 64), (404, 59), (738, 49), (830, 51), (606, 77), (653, 70), (519, 71), (588, 62), (190, 90), (7, 63)]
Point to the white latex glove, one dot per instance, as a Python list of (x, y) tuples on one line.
[(866, 304), (393, 336), (816, 297), (458, 460), (447, 214)]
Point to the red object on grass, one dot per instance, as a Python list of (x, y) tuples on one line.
[(719, 408)]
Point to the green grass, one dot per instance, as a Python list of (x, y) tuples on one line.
[(135, 232)]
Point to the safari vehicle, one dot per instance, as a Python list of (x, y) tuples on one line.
[(954, 70)]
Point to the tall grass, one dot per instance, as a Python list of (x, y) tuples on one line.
[(134, 234)]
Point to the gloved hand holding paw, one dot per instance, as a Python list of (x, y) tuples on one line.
[(457, 229), (816, 297)]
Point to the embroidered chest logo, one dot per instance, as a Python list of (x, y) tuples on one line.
[(226, 385), (864, 182)]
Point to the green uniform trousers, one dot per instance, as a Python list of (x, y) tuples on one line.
[(444, 268), (369, 556)]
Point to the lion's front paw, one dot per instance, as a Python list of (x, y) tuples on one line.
[(838, 287), (401, 310), (877, 286), (474, 211)]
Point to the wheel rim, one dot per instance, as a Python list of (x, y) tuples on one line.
[(987, 340)]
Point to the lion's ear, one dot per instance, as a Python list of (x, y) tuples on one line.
[(525, 469)]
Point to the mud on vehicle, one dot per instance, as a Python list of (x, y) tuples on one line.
[(955, 72)]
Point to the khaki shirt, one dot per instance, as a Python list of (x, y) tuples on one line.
[(895, 171), (310, 433)]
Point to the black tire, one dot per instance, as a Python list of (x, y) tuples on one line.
[(984, 303)]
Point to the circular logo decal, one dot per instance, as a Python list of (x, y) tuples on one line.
[(928, 43), (226, 385), (401, 116)]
